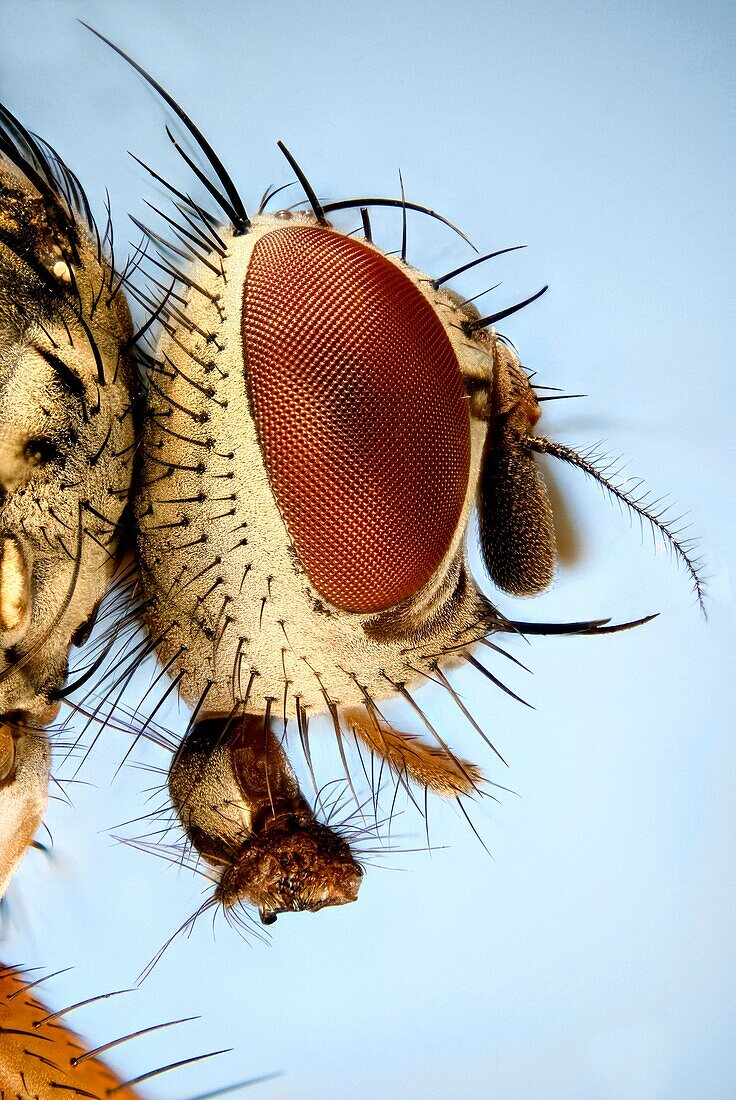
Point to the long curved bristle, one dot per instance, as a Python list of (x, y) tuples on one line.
[(308, 189), (484, 322), (233, 205), (402, 204)]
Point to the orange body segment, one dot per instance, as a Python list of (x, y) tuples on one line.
[(38, 1055)]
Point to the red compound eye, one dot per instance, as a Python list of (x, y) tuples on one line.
[(361, 414)]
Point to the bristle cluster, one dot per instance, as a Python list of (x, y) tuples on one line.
[(39, 1056)]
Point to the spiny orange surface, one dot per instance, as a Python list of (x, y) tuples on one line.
[(38, 1055)]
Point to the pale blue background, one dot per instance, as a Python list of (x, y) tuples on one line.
[(594, 956)]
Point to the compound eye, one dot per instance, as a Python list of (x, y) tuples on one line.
[(361, 413)]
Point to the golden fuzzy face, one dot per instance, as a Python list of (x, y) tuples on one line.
[(66, 447)]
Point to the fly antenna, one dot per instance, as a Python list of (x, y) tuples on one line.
[(638, 505), (437, 283)]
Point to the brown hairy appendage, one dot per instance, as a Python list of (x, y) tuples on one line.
[(238, 798)]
